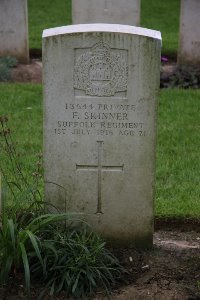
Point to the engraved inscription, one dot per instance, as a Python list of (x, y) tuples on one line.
[(196, 43), (99, 168), (9, 31), (101, 72), (100, 119)]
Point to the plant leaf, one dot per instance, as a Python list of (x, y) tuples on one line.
[(34, 242), (5, 270), (12, 232), (26, 267)]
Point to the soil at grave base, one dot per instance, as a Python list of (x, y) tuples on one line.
[(170, 271), (28, 73)]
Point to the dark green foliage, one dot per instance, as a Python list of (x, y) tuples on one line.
[(4, 72), (21, 212), (19, 240), (6, 63), (182, 77), (9, 61), (76, 261)]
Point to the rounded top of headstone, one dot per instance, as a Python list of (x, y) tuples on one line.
[(101, 27)]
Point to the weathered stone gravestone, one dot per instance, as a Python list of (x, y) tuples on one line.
[(189, 44), (106, 11), (14, 29), (101, 83)]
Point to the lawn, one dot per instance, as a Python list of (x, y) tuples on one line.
[(22, 103), (178, 165), (46, 14), (155, 14), (163, 16)]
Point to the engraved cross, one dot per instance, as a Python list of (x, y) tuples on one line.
[(99, 168)]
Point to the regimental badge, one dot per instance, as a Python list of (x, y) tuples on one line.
[(101, 72)]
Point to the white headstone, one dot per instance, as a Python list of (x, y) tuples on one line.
[(106, 11), (100, 87), (14, 29), (189, 45)]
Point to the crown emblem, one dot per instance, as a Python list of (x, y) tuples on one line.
[(101, 49), (100, 72)]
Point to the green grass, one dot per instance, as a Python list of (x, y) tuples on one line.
[(178, 164), (155, 14), (163, 16), (22, 103), (45, 14)]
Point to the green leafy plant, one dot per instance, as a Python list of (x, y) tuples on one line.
[(75, 261), (22, 214), (19, 239), (4, 72), (182, 77), (6, 63), (9, 61)]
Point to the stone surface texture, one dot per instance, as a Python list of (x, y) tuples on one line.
[(100, 90), (14, 29), (189, 44), (106, 11)]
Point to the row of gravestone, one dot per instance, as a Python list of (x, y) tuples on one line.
[(14, 28)]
